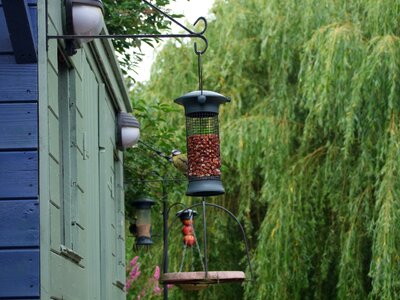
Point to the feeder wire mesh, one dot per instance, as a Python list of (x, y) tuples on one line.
[(202, 130)]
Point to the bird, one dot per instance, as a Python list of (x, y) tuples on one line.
[(179, 160)]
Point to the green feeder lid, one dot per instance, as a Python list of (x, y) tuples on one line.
[(143, 203), (202, 101)]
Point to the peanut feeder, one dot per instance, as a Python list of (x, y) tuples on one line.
[(203, 145)]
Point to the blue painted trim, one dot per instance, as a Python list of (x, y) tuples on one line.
[(29, 2), (18, 175), (20, 30), (19, 223), (18, 126), (5, 42), (19, 273), (17, 82)]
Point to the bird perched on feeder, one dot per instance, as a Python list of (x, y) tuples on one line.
[(179, 160)]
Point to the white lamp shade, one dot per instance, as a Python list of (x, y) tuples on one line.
[(87, 19), (129, 136)]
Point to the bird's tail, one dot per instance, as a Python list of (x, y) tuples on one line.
[(159, 153)]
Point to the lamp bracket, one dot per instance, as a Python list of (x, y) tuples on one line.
[(189, 32)]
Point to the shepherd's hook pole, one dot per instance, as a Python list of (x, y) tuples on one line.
[(165, 233)]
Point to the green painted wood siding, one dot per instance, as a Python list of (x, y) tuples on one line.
[(83, 170)]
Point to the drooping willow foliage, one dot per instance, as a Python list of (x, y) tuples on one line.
[(310, 143)]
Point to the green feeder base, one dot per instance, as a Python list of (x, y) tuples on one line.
[(144, 241), (205, 188)]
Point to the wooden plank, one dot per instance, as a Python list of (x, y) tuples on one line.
[(68, 280), (81, 174), (55, 12), (19, 273), (83, 210), (108, 209), (92, 192), (55, 228), (79, 100), (120, 215), (54, 136), (5, 42), (54, 185), (52, 52), (44, 161), (18, 126), (80, 130), (19, 223), (17, 82), (111, 75), (52, 90), (21, 31), (18, 175)]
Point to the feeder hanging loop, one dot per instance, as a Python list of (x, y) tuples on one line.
[(201, 98), (200, 35)]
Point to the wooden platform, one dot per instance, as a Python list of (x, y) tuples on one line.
[(198, 280)]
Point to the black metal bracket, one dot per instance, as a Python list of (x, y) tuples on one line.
[(70, 38), (16, 13)]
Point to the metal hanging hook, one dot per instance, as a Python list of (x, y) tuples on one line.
[(200, 72), (200, 35), (205, 25), (205, 48)]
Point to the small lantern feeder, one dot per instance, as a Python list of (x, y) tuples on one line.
[(202, 134), (143, 221)]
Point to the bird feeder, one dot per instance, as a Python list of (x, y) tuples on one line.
[(201, 279), (203, 144), (187, 219), (143, 221)]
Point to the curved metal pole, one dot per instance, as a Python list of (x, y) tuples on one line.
[(165, 237), (237, 221), (203, 204), (175, 204)]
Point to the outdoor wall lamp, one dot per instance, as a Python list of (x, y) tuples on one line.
[(84, 22), (83, 18), (143, 221), (128, 131)]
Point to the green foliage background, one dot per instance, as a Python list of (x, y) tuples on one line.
[(134, 17), (310, 145)]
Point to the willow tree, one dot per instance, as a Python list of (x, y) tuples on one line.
[(310, 142)]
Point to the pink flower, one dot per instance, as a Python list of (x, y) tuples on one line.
[(157, 289), (156, 275), (135, 273), (134, 261), (128, 284)]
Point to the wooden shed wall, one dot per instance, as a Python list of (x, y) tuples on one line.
[(80, 98), (19, 203)]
